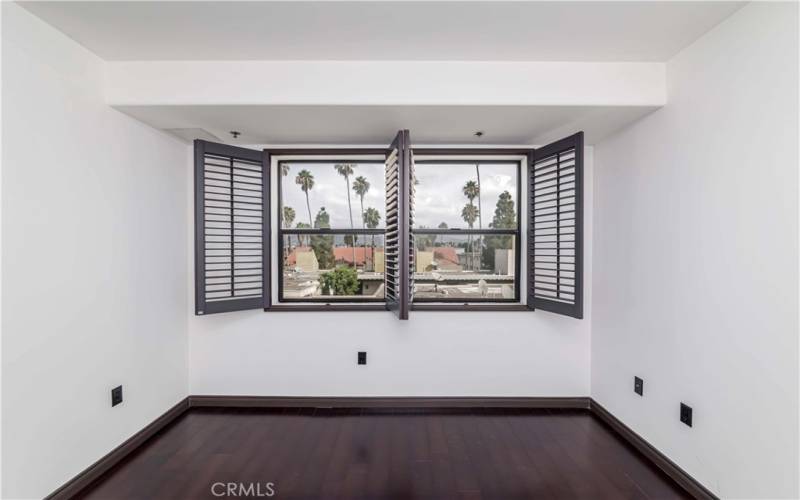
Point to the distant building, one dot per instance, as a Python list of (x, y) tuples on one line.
[(504, 261), (344, 256), (438, 259), (303, 259)]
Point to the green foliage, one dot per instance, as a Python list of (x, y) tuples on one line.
[(471, 190), (323, 245), (343, 281), (288, 216), (305, 180), (470, 214), (345, 169), (372, 218), (505, 217)]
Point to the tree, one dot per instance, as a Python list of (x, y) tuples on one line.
[(323, 244), (505, 217), (480, 206), (284, 173), (372, 218), (361, 187), (471, 191), (470, 214), (305, 180), (346, 170), (288, 218), (341, 281)]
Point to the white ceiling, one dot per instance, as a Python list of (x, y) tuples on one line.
[(348, 125), (428, 30)]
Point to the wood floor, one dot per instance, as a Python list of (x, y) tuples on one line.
[(309, 453)]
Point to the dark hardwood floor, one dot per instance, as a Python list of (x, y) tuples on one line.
[(309, 453)]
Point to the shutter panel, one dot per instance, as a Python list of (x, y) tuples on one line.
[(232, 228), (555, 227), (399, 259)]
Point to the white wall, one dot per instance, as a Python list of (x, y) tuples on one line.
[(94, 253), (696, 259), (432, 354), (459, 83)]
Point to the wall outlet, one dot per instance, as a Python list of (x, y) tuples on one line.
[(362, 358), (116, 395), (638, 386), (686, 414)]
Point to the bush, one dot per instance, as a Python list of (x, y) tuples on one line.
[(342, 280)]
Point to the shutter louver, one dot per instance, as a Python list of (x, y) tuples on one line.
[(232, 229), (555, 227), (398, 252)]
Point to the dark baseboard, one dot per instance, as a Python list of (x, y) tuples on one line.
[(93, 472), (75, 485), (670, 468), (387, 402)]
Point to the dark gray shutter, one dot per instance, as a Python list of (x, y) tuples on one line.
[(399, 259), (232, 228), (555, 227)]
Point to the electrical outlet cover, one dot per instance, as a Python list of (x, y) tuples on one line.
[(686, 414), (116, 395)]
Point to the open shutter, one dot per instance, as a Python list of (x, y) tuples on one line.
[(232, 228), (555, 227), (399, 257)]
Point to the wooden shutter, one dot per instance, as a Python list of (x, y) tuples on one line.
[(399, 259), (232, 228), (555, 227)]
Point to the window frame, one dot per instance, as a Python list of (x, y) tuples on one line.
[(518, 157), (319, 156)]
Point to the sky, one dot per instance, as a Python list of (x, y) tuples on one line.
[(438, 195)]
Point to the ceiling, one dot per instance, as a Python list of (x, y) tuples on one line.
[(376, 125), (427, 30)]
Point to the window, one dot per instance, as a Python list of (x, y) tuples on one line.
[(380, 226), (331, 230), (466, 230)]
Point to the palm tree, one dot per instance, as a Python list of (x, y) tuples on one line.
[(480, 212), (372, 218), (288, 218), (306, 181), (470, 214), (361, 187), (284, 173), (346, 170), (471, 191)]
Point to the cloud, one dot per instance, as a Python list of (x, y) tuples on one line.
[(439, 197)]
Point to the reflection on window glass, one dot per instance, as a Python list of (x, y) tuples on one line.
[(464, 267), (467, 195), (352, 194), (333, 267)]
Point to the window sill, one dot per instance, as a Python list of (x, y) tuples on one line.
[(469, 307), (327, 307)]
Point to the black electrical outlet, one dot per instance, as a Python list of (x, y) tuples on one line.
[(638, 386), (686, 414), (116, 395), (362, 358)]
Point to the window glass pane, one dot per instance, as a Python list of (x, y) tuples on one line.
[(464, 267), (464, 195), (332, 194), (320, 267)]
